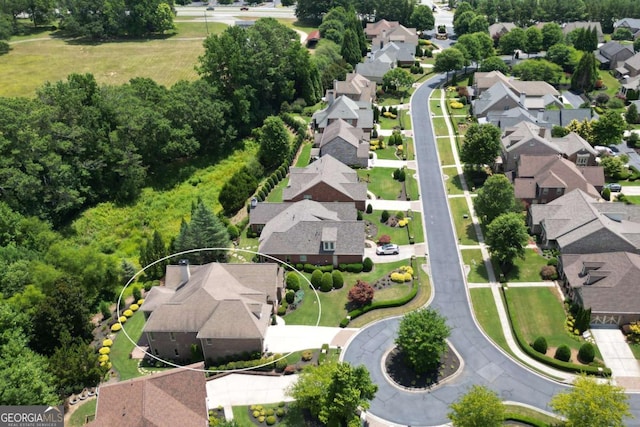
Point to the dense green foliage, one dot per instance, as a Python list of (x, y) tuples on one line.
[(481, 144), (240, 187), (494, 198), (592, 404), (540, 345), (478, 407), (506, 237), (422, 339), (587, 353), (586, 73), (333, 391)]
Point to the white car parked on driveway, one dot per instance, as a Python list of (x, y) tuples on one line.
[(388, 249)]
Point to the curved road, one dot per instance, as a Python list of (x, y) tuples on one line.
[(484, 364)]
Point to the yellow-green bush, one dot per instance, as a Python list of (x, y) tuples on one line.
[(104, 350), (403, 223), (406, 269), (256, 414), (140, 301), (116, 327), (456, 105), (134, 307), (122, 319), (128, 313), (397, 277), (389, 115), (103, 358), (107, 343), (408, 277)]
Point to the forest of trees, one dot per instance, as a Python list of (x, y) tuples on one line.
[(76, 144)]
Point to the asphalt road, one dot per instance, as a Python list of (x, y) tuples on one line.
[(484, 363)]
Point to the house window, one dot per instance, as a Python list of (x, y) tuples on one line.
[(151, 337), (303, 258), (308, 197), (329, 246), (582, 160), (545, 191), (208, 341), (172, 336)]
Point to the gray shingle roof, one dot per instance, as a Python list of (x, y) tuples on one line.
[(631, 23), (357, 86), (491, 96), (265, 212), (343, 130), (608, 284), (346, 109), (571, 26), (555, 172), (211, 291), (298, 229), (609, 49), (329, 171), (576, 215), (174, 397)]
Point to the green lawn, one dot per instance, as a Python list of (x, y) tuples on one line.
[(478, 271), (524, 270), (434, 106), (293, 417), (486, 313), (540, 312), (275, 196), (198, 29), (406, 119), (610, 82), (453, 184), (126, 367), (399, 235), (527, 412), (633, 199), (445, 151), (411, 185), (84, 410), (388, 153), (388, 123), (381, 182), (334, 303), (392, 98), (440, 127), (464, 226), (30, 64), (304, 156)]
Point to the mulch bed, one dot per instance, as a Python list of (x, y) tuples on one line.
[(405, 376)]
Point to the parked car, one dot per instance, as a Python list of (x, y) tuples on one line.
[(244, 8), (388, 249), (210, 8), (614, 148), (614, 187), (602, 150)]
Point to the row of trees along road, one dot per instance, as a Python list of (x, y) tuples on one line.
[(77, 144)]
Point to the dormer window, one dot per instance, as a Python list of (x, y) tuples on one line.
[(329, 239), (329, 246)]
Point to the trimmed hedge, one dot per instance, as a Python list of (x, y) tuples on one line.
[(338, 280), (563, 353), (587, 353), (326, 283), (381, 304), (540, 345), (512, 416), (563, 366), (316, 278), (367, 265), (293, 282)]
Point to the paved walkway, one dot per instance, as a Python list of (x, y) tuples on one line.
[(248, 389), (288, 338), (616, 352)]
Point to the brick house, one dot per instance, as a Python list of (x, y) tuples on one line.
[(577, 223), (221, 309), (345, 143), (309, 232), (605, 282), (174, 397), (357, 113), (327, 180), (542, 179)]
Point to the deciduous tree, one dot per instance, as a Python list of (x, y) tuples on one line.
[(449, 60), (592, 404), (478, 407), (608, 129), (494, 63), (422, 339), (506, 238), (551, 34), (397, 79), (361, 293), (274, 143), (481, 144), (532, 40), (494, 198), (333, 391), (422, 18), (512, 41)]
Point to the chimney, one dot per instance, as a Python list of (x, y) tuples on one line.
[(185, 274), (330, 96), (254, 203), (540, 116), (523, 97)]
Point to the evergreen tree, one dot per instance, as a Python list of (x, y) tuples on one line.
[(356, 25), (350, 50), (586, 73), (204, 231), (152, 251)]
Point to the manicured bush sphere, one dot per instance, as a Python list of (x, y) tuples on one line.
[(540, 345), (587, 353), (563, 353)]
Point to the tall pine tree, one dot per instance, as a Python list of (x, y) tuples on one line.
[(204, 231), (152, 251), (350, 48)]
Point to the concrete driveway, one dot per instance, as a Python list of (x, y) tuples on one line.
[(616, 352), (288, 338), (248, 389)]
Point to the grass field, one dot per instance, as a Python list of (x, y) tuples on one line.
[(524, 270), (486, 313), (478, 271), (333, 304), (398, 235), (440, 127), (126, 367), (445, 151), (30, 64), (84, 410), (381, 182), (293, 416), (453, 184), (304, 156), (122, 229), (275, 196), (464, 226), (539, 312)]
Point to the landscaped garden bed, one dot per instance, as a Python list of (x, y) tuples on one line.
[(404, 376)]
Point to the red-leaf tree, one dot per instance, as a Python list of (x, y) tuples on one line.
[(361, 294)]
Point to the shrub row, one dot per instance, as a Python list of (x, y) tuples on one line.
[(349, 268), (512, 416), (564, 366), (381, 304)]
